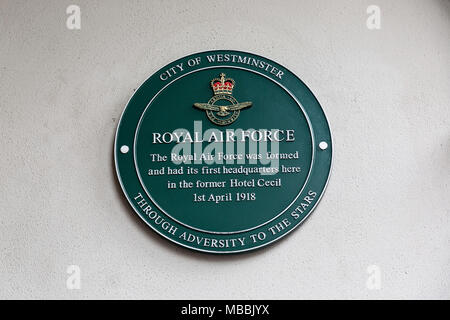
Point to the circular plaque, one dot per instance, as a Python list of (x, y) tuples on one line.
[(223, 151)]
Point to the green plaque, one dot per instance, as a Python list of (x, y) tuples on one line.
[(223, 151)]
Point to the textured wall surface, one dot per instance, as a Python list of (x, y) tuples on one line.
[(386, 94)]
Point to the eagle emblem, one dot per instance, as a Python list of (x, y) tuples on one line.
[(218, 109)]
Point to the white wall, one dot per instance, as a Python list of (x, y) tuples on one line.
[(386, 93)]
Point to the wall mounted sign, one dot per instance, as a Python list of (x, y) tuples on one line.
[(223, 151)]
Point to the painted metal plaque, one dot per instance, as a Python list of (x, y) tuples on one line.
[(223, 151)]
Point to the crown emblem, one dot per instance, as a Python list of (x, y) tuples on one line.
[(222, 85), (221, 112)]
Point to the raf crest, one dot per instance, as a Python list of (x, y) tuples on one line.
[(218, 109)]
